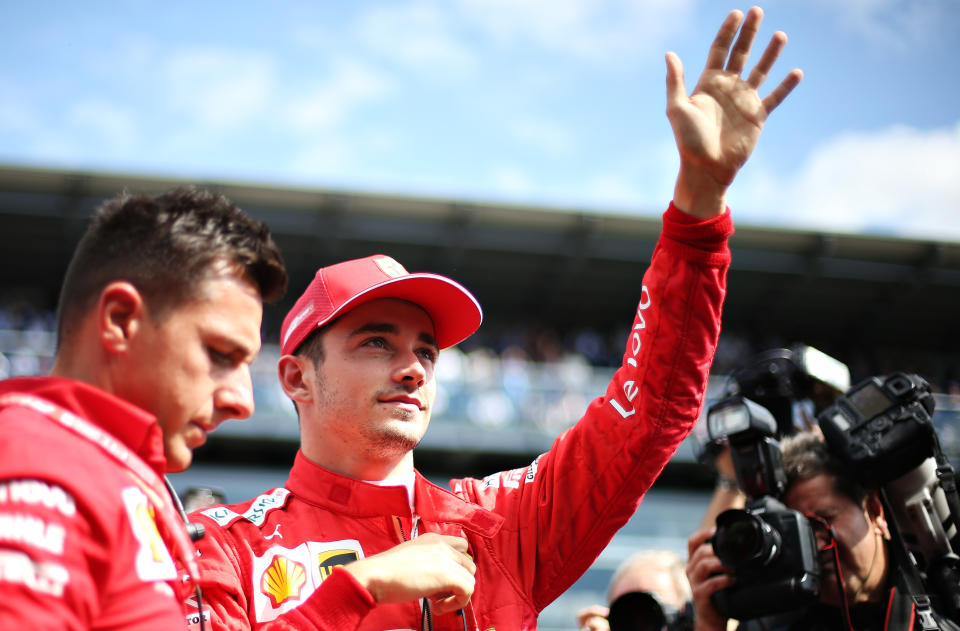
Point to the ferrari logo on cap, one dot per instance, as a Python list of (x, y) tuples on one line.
[(390, 267)]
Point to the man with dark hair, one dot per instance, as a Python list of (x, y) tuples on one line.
[(159, 319), (360, 348), (858, 574)]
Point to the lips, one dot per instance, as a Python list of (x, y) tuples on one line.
[(403, 399)]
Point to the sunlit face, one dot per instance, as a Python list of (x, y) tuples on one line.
[(191, 367), (373, 391), (860, 543)]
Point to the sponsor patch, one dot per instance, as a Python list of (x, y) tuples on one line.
[(194, 615), (285, 577), (259, 508), (506, 479), (283, 580), (390, 267), (44, 578), (32, 531), (38, 493), (153, 560), (331, 559), (532, 470)]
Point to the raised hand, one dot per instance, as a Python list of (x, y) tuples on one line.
[(444, 572), (717, 127)]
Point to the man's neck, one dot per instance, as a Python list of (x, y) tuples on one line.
[(359, 467)]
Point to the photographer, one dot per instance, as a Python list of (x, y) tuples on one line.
[(858, 577), (649, 590)]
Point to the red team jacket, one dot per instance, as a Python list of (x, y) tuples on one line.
[(79, 541), (532, 531)]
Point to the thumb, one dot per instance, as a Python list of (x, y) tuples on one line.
[(676, 91)]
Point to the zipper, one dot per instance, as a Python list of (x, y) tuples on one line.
[(426, 616)]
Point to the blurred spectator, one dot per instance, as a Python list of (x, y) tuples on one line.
[(647, 592)]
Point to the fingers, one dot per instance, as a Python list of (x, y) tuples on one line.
[(741, 50), (759, 73), (698, 538), (721, 43), (776, 97)]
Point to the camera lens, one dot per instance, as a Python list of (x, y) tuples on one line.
[(744, 540), (636, 611)]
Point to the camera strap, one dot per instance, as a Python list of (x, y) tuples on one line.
[(909, 572)]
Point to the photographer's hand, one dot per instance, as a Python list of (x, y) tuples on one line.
[(593, 618), (707, 576), (717, 127)]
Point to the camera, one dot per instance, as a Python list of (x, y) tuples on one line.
[(771, 548), (643, 611), (787, 383), (882, 430)]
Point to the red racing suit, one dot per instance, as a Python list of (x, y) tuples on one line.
[(80, 540), (272, 562)]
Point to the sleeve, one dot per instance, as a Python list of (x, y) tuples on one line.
[(47, 557), (562, 510), (223, 600), (339, 604)]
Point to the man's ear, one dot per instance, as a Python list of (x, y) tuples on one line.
[(120, 311), (875, 512), (292, 371)]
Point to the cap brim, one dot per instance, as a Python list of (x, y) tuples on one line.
[(456, 314)]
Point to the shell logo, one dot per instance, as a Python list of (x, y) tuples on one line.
[(283, 580)]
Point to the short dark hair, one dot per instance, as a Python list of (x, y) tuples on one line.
[(165, 245), (806, 455)]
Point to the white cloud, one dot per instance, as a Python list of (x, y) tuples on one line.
[(596, 30), (220, 89), (419, 34), (898, 180), (350, 84), (892, 24)]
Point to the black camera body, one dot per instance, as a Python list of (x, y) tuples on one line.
[(773, 552), (882, 430), (881, 427), (771, 548)]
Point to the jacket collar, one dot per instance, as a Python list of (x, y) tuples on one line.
[(342, 494), (132, 426)]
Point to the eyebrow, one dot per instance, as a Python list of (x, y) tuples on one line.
[(387, 327)]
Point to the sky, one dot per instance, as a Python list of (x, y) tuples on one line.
[(556, 103)]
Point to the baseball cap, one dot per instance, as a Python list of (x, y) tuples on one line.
[(336, 289)]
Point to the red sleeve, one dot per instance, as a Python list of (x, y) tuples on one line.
[(563, 510)]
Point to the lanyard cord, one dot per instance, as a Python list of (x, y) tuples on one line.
[(832, 546)]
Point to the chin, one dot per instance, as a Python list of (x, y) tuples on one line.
[(179, 458)]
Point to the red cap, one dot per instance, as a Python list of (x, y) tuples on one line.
[(336, 289)]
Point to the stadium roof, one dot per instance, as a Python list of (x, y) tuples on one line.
[(567, 267)]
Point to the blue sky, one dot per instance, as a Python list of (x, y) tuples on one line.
[(544, 102)]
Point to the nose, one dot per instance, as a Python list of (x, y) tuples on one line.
[(234, 398), (410, 370)]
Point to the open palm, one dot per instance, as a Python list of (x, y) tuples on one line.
[(717, 127)]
